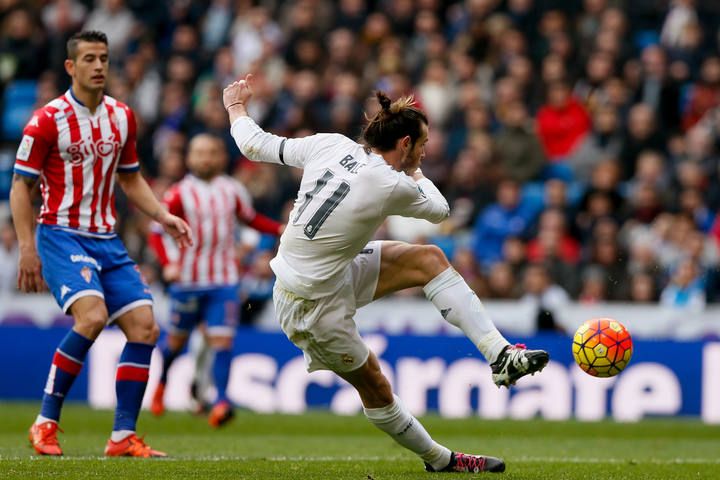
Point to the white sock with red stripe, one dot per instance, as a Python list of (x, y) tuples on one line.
[(66, 365)]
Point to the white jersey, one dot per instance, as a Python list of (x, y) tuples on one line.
[(345, 195)]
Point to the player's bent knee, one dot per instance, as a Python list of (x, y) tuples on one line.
[(144, 332), (92, 322), (153, 333), (433, 261)]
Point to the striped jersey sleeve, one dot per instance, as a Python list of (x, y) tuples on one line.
[(39, 138), (128, 157)]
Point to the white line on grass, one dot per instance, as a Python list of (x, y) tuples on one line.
[(358, 458)]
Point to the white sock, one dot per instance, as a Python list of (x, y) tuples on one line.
[(40, 419), (120, 435), (459, 305), (406, 430)]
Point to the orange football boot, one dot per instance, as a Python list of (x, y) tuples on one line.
[(220, 414), (43, 437), (157, 407), (131, 446)]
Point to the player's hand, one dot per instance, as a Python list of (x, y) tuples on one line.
[(30, 272), (238, 92), (171, 272), (176, 228)]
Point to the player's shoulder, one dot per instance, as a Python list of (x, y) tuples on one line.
[(117, 104), (331, 140), (377, 166), (45, 118), (114, 102), (51, 110), (57, 104)]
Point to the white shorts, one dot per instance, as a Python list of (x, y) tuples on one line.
[(324, 328)]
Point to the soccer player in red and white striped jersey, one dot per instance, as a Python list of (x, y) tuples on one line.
[(75, 145), (59, 139), (204, 277)]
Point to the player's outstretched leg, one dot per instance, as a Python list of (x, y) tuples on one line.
[(405, 265), (386, 412), (459, 305)]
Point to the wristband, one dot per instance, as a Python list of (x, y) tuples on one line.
[(232, 105)]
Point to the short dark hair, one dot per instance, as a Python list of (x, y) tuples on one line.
[(93, 36), (394, 121)]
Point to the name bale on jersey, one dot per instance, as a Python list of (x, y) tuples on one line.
[(351, 165)]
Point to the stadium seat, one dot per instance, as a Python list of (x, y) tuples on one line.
[(645, 38), (18, 103)]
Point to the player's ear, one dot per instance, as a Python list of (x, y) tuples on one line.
[(405, 142), (69, 66)]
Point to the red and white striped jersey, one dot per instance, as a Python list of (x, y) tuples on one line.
[(212, 209), (76, 154)]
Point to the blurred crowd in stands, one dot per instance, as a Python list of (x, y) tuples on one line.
[(576, 141)]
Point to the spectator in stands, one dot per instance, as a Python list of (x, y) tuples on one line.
[(657, 90), (470, 186), (604, 141), (546, 297), (502, 282), (685, 290), (515, 254), (118, 23), (24, 52), (693, 204), (641, 134), (607, 256), (470, 118), (642, 288), (553, 240), (598, 70), (507, 217), (651, 171), (562, 123), (645, 203), (601, 199), (8, 258), (521, 155), (593, 287), (704, 94)]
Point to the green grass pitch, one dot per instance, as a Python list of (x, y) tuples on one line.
[(324, 446)]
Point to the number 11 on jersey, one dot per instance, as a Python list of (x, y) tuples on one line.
[(320, 215)]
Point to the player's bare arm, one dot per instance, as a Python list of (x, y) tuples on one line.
[(139, 193), (29, 266)]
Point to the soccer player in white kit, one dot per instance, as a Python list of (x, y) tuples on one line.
[(326, 268)]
